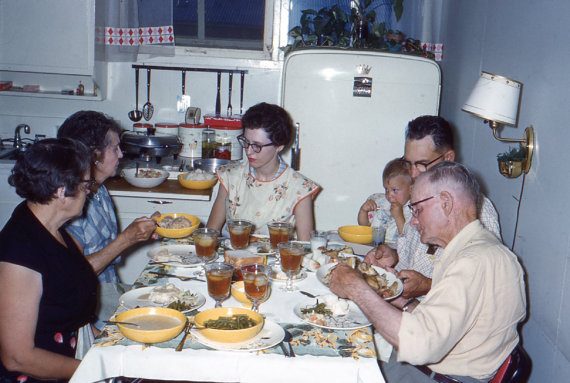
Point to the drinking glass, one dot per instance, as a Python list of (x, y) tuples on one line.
[(318, 239), (239, 233), (219, 279), (256, 283), (378, 235), (279, 232), (205, 243), (291, 254)]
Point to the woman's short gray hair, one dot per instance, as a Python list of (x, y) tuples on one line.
[(453, 173)]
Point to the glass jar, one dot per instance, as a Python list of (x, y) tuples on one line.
[(208, 143), (224, 148)]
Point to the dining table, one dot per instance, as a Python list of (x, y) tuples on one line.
[(330, 353)]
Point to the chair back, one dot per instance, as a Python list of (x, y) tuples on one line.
[(515, 369)]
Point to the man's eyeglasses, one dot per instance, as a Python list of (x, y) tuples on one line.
[(422, 165), (255, 147), (413, 206), (88, 184)]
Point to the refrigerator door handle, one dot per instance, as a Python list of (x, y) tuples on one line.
[(295, 151)]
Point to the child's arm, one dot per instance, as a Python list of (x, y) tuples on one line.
[(397, 212), (366, 207)]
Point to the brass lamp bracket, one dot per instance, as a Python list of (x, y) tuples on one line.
[(527, 142)]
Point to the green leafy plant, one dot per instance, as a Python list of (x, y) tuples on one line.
[(513, 154)]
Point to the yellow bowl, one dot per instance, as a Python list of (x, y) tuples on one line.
[(196, 185), (238, 292), (175, 322), (356, 234), (228, 336), (177, 233)]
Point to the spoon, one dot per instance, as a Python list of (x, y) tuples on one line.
[(186, 333), (287, 339), (117, 322), (148, 109), (136, 115), (230, 95)]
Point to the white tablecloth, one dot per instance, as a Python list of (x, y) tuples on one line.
[(155, 362)]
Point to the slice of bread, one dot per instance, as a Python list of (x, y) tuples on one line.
[(242, 257)]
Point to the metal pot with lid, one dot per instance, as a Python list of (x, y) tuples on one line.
[(146, 145)]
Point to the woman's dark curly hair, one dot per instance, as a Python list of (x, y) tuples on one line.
[(89, 127), (273, 119), (48, 165)]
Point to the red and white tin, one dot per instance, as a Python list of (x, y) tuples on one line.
[(142, 127), (166, 128)]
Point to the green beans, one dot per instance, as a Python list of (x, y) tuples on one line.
[(235, 322)]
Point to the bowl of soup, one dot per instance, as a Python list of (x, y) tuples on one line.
[(229, 324), (176, 225), (155, 324)]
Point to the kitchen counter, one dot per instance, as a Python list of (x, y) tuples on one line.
[(172, 189)]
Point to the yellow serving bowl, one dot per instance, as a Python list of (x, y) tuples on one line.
[(228, 336), (356, 234), (238, 292), (151, 336), (195, 185), (177, 233)]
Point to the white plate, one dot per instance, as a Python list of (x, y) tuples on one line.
[(270, 335), (353, 320), (276, 278), (323, 270), (187, 254), (136, 298)]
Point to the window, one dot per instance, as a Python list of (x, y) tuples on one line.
[(229, 24)]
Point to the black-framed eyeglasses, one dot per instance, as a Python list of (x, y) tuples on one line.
[(422, 165), (255, 147), (89, 184), (413, 206)]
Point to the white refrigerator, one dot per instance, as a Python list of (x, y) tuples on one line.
[(352, 108)]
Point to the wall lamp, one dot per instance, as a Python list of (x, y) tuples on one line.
[(495, 99)]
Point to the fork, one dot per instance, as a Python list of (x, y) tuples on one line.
[(182, 278), (186, 333)]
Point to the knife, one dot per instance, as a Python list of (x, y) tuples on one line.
[(295, 151)]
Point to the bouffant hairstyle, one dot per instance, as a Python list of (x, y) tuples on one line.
[(48, 165), (273, 119), (394, 168), (434, 126), (89, 127)]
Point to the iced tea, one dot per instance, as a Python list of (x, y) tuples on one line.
[(279, 232), (256, 286), (219, 282), (291, 258), (205, 246), (239, 233)]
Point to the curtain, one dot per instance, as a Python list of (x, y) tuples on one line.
[(127, 28)]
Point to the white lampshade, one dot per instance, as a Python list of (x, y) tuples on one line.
[(495, 98)]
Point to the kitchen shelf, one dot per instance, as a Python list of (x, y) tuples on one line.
[(48, 94)]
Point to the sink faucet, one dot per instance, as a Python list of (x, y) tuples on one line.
[(17, 137)]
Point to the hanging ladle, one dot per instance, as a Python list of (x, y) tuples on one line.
[(136, 115), (148, 109)]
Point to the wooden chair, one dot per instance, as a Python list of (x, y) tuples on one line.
[(515, 369)]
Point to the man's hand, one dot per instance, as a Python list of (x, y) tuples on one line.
[(382, 256), (346, 282), (140, 230), (415, 284)]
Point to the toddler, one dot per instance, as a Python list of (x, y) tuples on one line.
[(388, 210)]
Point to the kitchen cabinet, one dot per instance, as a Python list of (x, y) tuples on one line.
[(8, 197), (56, 36), (133, 203)]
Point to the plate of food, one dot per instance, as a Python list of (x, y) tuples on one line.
[(257, 247), (385, 283), (270, 335), (168, 296), (331, 312), (175, 256)]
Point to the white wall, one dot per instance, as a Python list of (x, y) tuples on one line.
[(44, 115), (524, 40)]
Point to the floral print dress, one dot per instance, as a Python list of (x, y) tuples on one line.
[(262, 202)]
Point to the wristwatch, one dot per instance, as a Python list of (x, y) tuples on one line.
[(406, 307)]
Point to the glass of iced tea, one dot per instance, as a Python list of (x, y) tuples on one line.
[(205, 242), (279, 232), (239, 233), (256, 283), (291, 254), (219, 279)]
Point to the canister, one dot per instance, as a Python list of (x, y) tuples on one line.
[(142, 127), (166, 128), (230, 133), (191, 137), (223, 148)]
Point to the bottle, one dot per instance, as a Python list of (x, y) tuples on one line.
[(224, 148), (80, 89), (208, 143)]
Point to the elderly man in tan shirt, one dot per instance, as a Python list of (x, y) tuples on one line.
[(467, 324)]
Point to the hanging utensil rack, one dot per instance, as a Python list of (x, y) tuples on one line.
[(187, 69)]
